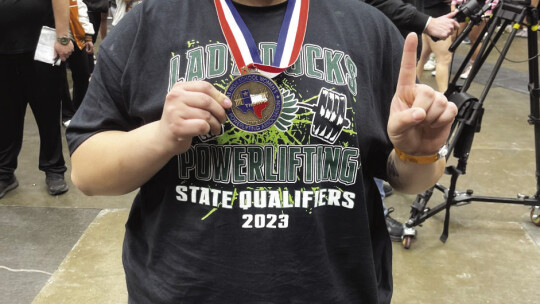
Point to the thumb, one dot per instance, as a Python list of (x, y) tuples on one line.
[(400, 122), (451, 14)]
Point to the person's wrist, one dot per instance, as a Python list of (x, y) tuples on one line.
[(167, 144), (63, 40), (427, 24), (88, 38), (422, 159)]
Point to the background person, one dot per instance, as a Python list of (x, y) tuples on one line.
[(437, 8), (95, 9), (409, 16), (81, 31), (122, 7), (473, 34), (25, 81)]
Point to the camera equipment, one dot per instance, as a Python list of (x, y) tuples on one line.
[(473, 10), (469, 9), (471, 110)]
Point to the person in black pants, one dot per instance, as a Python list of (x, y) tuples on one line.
[(25, 81), (95, 10), (81, 33), (80, 72)]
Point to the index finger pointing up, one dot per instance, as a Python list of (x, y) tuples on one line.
[(407, 73)]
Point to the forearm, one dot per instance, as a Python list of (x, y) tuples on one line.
[(115, 162), (404, 15), (61, 17), (413, 178), (84, 19)]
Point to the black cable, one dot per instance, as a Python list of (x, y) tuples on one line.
[(501, 2), (510, 60)]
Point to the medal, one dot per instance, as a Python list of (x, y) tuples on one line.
[(256, 102), (256, 98)]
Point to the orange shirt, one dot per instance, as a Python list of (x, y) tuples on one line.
[(77, 29)]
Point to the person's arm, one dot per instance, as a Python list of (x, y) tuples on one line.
[(404, 15), (419, 125), (411, 178), (103, 25), (61, 22), (442, 27), (84, 19), (116, 162), (87, 26)]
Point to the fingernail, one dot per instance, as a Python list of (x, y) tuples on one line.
[(227, 102)]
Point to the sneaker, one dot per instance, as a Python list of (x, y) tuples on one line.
[(387, 190), (395, 228), (466, 40), (8, 185), (467, 71), (522, 33), (434, 73), (56, 184), (430, 64)]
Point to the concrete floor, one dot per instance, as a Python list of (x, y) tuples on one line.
[(67, 249)]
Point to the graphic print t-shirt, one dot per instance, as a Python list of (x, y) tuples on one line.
[(287, 215)]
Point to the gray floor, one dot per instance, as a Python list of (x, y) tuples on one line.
[(66, 249)]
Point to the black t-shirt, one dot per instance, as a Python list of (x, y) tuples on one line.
[(21, 22), (288, 215)]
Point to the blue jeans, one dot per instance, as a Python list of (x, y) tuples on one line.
[(379, 183)]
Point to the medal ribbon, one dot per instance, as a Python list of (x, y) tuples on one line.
[(243, 47)]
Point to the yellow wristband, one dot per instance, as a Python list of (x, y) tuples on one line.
[(429, 159)]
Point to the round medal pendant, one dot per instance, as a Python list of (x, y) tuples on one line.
[(256, 102)]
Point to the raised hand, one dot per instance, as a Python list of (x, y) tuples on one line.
[(191, 109), (420, 117)]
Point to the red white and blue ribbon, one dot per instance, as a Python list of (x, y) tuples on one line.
[(243, 47)]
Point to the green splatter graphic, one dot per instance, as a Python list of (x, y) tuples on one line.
[(192, 43), (297, 133), (272, 136), (233, 199), (210, 213)]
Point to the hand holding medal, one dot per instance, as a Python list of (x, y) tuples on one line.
[(420, 117), (191, 109)]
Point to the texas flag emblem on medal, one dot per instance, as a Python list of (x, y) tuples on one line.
[(256, 102)]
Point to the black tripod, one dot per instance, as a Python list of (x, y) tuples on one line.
[(471, 110)]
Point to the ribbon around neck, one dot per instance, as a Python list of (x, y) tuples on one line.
[(243, 47)]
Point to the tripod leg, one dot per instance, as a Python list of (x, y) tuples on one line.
[(534, 91), (449, 202)]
